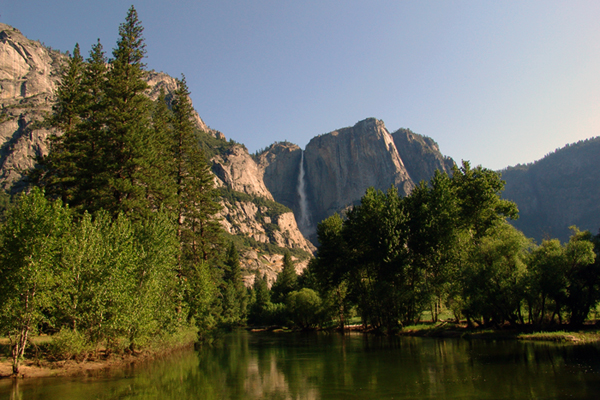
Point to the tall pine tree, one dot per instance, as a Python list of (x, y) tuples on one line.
[(286, 280), (199, 230), (130, 156), (56, 171)]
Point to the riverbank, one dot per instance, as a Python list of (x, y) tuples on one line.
[(587, 334), (40, 366)]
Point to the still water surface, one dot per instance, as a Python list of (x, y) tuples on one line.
[(332, 366)]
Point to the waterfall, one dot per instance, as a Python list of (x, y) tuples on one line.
[(304, 217)]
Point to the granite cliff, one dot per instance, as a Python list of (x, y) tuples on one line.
[(339, 166)]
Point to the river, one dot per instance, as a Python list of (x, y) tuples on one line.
[(331, 366)]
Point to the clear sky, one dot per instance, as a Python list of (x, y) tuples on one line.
[(494, 82)]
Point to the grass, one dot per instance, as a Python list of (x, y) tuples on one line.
[(562, 336)]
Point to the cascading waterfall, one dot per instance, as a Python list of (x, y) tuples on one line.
[(304, 217)]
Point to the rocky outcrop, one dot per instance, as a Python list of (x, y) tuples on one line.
[(339, 167), (237, 170), (558, 191), (342, 164), (261, 224), (421, 155), (255, 215), (279, 165), (29, 74)]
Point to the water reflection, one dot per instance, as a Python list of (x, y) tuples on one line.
[(353, 366)]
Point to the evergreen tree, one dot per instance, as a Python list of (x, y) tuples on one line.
[(109, 156), (130, 157), (286, 280), (56, 171), (199, 230), (234, 291), (89, 135)]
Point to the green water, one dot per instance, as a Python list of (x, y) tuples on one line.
[(331, 366)]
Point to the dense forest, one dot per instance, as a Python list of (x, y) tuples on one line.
[(116, 247)]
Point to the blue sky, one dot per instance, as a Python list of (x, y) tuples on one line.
[(494, 82)]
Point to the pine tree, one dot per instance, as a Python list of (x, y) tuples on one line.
[(88, 136), (234, 292), (286, 280), (57, 170), (199, 230), (130, 157)]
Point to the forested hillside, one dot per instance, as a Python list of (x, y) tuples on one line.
[(558, 191)]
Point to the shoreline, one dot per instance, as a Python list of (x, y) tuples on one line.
[(32, 369), (587, 334), (40, 368)]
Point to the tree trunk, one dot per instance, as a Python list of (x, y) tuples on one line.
[(19, 349)]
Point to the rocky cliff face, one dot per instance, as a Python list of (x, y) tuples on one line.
[(421, 155), (280, 167), (237, 170), (250, 210), (29, 73), (342, 164), (339, 166), (29, 76), (558, 191)]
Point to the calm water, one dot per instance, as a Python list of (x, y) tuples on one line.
[(331, 366)]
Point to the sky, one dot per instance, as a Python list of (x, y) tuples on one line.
[(496, 83)]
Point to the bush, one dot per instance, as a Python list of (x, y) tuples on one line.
[(68, 344), (305, 308)]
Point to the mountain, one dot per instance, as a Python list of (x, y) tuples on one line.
[(339, 166), (560, 190), (270, 201), (29, 75)]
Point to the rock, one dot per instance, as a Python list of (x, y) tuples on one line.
[(236, 169), (421, 155), (29, 74), (280, 164), (341, 165)]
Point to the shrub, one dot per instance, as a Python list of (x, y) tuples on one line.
[(68, 344)]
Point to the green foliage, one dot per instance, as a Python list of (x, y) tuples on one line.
[(494, 277), (212, 146), (243, 241), (108, 156), (68, 344), (286, 281), (5, 204), (144, 254), (273, 209), (305, 308), (201, 295), (29, 249), (446, 242), (235, 298), (583, 276)]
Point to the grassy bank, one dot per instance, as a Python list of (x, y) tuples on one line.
[(44, 358), (587, 334)]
